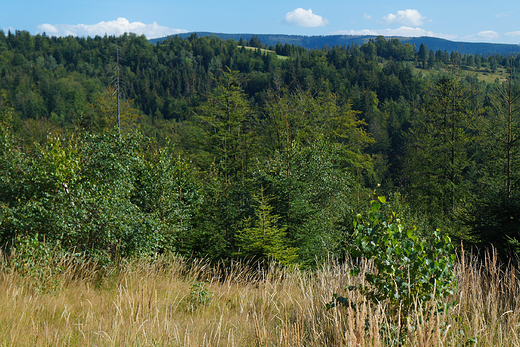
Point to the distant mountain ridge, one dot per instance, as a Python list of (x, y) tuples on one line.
[(310, 42)]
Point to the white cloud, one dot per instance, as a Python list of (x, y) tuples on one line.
[(483, 35), (49, 29), (11, 29), (305, 18), (119, 26), (367, 16), (406, 17), (513, 33), (402, 31)]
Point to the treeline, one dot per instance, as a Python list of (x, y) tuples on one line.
[(227, 151), (318, 42)]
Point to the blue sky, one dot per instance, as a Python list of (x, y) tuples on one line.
[(484, 21)]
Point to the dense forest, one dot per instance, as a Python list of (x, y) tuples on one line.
[(234, 149), (318, 42)]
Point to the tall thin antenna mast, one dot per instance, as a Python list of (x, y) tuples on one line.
[(118, 88)]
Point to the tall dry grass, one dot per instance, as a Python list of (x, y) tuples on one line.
[(168, 302)]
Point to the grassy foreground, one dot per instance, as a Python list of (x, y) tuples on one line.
[(170, 303)]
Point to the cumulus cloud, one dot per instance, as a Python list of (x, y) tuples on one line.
[(402, 31), (513, 33), (119, 26), (305, 18), (11, 29), (406, 17), (367, 16), (483, 35), (49, 29)]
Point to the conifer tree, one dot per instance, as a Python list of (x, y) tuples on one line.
[(264, 237), (494, 217), (439, 142), (227, 119)]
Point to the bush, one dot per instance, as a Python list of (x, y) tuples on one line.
[(38, 262), (407, 265), (93, 193), (200, 295)]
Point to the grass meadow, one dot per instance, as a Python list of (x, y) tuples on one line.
[(482, 74), (171, 302)]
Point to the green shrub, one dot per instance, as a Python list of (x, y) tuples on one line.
[(200, 295), (95, 192), (407, 265), (38, 262)]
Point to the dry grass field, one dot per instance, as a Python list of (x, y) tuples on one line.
[(168, 302), (266, 50), (483, 74)]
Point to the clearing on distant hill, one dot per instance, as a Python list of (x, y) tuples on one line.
[(310, 42)]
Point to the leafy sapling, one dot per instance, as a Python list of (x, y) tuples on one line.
[(408, 267)]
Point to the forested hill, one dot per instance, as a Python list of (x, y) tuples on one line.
[(217, 135), (310, 42)]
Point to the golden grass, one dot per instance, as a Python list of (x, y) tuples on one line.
[(147, 303), (266, 51), (482, 74)]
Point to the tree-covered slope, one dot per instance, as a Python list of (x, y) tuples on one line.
[(207, 124), (310, 42)]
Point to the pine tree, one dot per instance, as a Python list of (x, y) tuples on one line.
[(263, 238), (422, 55), (439, 146), (227, 120), (494, 217)]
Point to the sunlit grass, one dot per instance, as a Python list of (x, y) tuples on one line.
[(168, 302), (482, 74), (283, 57)]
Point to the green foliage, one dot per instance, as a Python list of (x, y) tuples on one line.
[(227, 117), (495, 220), (217, 219), (303, 118), (310, 122), (407, 266), (440, 147), (38, 262), (6, 120), (101, 115), (263, 238), (59, 80), (312, 193), (494, 217), (78, 192), (169, 191), (199, 295)]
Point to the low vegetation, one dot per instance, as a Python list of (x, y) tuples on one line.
[(483, 74), (167, 301)]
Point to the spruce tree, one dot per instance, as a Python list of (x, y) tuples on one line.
[(264, 237), (438, 158)]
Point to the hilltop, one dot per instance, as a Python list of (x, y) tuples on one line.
[(311, 42)]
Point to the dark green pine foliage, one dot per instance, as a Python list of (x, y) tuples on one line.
[(227, 120), (439, 140), (422, 55), (495, 216)]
